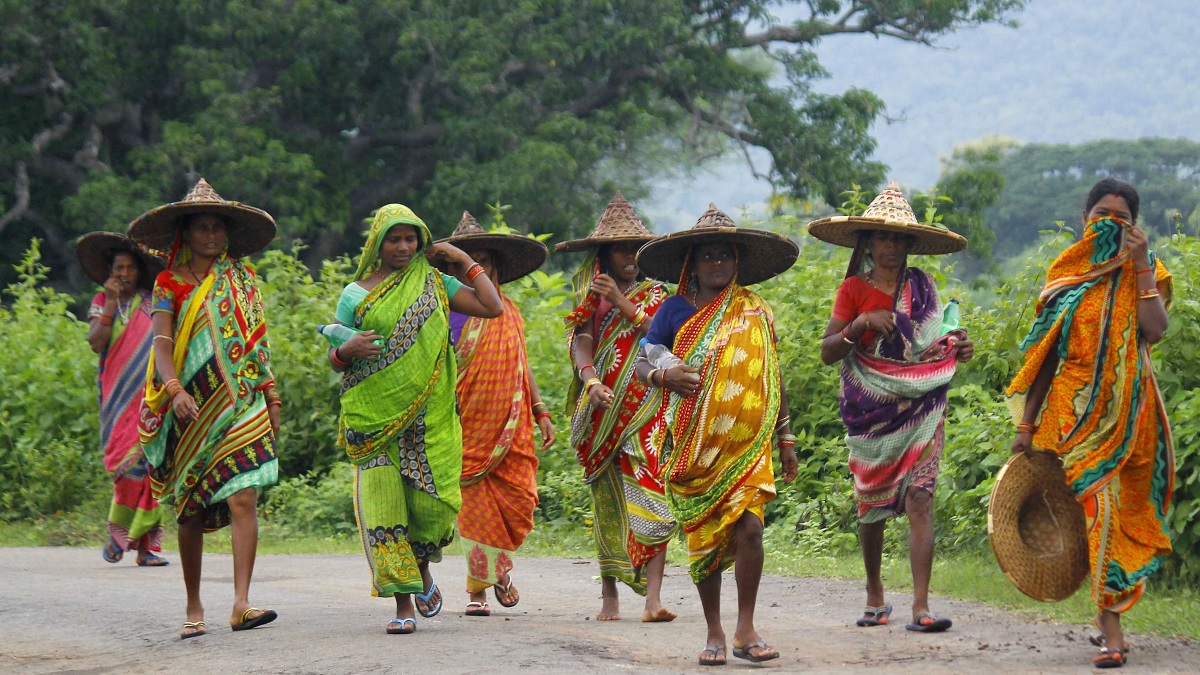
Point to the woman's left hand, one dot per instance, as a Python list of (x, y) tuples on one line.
[(966, 349), (546, 427), (453, 257), (273, 413), (1139, 247), (788, 463)]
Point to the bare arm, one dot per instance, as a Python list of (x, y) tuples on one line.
[(788, 463), (1034, 399), (478, 296), (599, 395), (163, 325), (545, 426), (99, 333), (834, 348)]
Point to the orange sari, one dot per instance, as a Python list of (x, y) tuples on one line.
[(499, 476)]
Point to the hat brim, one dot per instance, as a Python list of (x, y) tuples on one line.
[(520, 255), (250, 229), (93, 249), (927, 240), (1037, 528), (587, 243), (762, 255)]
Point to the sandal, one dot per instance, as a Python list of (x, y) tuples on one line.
[(406, 626), (875, 616), (507, 590), (766, 654), (928, 622), (111, 552), (478, 609), (191, 629), (717, 652), (267, 616), (152, 560), (430, 611), (1109, 658)]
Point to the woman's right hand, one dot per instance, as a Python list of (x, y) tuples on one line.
[(600, 396), (360, 346), (185, 407), (682, 380), (879, 320), (1023, 442), (113, 287)]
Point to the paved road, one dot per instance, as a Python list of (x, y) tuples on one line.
[(65, 610)]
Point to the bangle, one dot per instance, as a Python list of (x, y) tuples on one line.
[(783, 422), (846, 339), (173, 387), (639, 317), (337, 360), (272, 397), (1146, 295), (1026, 428), (591, 382), (474, 271), (1146, 271), (168, 338), (585, 368), (650, 378), (540, 407), (105, 319), (787, 438), (542, 415)]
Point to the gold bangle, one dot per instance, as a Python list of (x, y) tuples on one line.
[(1026, 428), (1146, 295), (540, 407), (592, 381)]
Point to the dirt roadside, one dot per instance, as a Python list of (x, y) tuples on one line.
[(65, 610)]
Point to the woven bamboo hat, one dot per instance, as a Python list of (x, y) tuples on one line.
[(618, 223), (1037, 528), (95, 250), (250, 229), (761, 254), (517, 254), (888, 211)]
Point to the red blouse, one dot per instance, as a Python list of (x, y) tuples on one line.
[(856, 297)]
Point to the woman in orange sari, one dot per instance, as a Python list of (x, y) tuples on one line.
[(1087, 392), (498, 401), (723, 407)]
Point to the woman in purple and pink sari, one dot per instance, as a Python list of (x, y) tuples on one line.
[(897, 360), (119, 331)]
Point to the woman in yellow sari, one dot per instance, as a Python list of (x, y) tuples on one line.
[(724, 405), (1087, 392)]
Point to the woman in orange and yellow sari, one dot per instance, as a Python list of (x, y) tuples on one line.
[(711, 352), (1087, 392)]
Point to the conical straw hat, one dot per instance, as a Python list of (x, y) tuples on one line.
[(94, 248), (1037, 527), (761, 254), (250, 229), (516, 255), (888, 211), (619, 223)]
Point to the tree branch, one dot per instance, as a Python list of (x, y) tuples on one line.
[(21, 189)]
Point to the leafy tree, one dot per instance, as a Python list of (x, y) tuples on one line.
[(321, 110)]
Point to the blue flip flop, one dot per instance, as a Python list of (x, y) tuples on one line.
[(430, 611), (111, 552), (398, 627)]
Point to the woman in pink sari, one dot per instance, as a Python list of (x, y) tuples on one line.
[(119, 331)]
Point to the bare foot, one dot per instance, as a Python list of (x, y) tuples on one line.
[(610, 608), (661, 615)]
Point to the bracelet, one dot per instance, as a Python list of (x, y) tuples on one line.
[(272, 397), (783, 422), (591, 382), (1026, 428), (846, 339), (639, 317), (474, 271), (542, 415), (786, 444), (1146, 295), (787, 438), (650, 378), (585, 368), (1146, 271), (106, 319), (580, 336), (540, 407), (173, 387), (337, 360), (168, 338)]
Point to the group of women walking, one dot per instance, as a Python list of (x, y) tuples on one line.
[(676, 408)]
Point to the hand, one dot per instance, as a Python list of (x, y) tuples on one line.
[(113, 287), (683, 380), (546, 427), (1023, 443), (185, 407), (604, 286), (361, 346), (600, 396), (273, 413), (966, 349), (881, 320), (788, 463), (1139, 247), (452, 257)]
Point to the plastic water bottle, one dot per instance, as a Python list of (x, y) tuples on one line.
[(950, 316), (659, 356), (338, 334)]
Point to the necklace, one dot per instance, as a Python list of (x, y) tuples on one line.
[(123, 312), (194, 275)]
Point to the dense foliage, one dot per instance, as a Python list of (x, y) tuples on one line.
[(49, 459)]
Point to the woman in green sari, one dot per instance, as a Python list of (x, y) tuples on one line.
[(398, 421)]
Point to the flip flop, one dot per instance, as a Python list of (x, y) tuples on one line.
[(478, 609), (715, 650), (497, 589), (1110, 658), (267, 616), (111, 552), (184, 634), (743, 652), (152, 560), (397, 626), (878, 616), (430, 611), (935, 625)]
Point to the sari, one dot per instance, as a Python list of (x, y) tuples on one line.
[(222, 358), (716, 445), (134, 520), (1104, 415), (631, 521), (398, 423), (499, 470), (893, 401)]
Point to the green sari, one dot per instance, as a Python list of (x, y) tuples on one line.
[(398, 420)]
